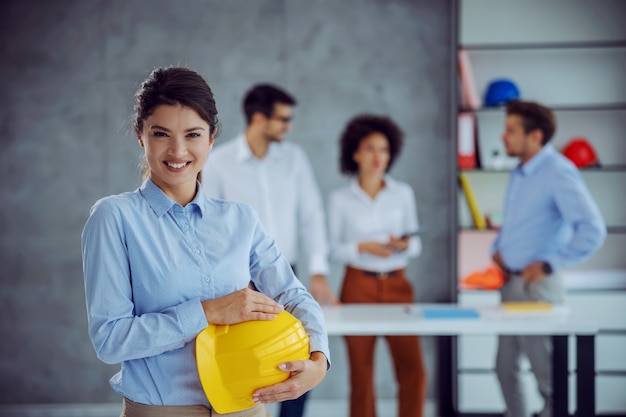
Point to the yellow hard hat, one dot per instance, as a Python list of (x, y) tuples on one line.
[(235, 360)]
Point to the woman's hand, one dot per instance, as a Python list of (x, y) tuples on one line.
[(239, 306), (398, 244), (375, 248), (305, 375)]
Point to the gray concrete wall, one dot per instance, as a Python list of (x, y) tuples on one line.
[(68, 70)]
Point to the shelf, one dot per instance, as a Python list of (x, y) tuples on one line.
[(613, 229), (603, 168), (474, 230), (544, 45), (574, 65), (555, 108), (490, 371)]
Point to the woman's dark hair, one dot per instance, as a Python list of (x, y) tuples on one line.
[(534, 116), (173, 86), (362, 126)]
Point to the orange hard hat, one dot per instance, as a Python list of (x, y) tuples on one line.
[(491, 278), (581, 153)]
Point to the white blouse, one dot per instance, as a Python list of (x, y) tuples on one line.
[(353, 217)]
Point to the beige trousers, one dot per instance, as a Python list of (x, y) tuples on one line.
[(133, 409)]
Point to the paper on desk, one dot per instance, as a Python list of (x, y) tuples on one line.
[(522, 310), (429, 313), (515, 306)]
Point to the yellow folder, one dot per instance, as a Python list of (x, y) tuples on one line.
[(516, 306), (479, 219)]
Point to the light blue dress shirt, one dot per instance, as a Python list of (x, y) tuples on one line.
[(148, 263), (549, 215)]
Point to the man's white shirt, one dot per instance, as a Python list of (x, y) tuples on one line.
[(281, 187)]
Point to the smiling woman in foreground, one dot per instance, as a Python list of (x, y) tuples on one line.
[(164, 261)]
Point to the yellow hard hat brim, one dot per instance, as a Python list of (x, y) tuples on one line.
[(235, 360)]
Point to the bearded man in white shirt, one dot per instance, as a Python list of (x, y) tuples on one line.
[(275, 177)]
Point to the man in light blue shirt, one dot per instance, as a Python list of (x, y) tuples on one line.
[(550, 222)]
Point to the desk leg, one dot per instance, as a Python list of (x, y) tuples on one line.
[(560, 384), (446, 376), (585, 376)]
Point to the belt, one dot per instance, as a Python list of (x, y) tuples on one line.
[(133, 409), (380, 275), (514, 271)]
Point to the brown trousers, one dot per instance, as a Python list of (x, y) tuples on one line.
[(133, 409), (406, 351)]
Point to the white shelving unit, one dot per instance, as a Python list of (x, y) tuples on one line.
[(571, 56)]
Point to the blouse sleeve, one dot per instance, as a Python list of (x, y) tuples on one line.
[(116, 331), (272, 275)]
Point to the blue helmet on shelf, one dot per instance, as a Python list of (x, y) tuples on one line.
[(500, 92)]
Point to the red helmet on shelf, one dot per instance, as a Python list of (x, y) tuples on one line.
[(581, 153)]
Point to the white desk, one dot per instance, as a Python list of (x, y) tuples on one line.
[(405, 319)]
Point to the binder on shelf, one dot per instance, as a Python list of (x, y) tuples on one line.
[(470, 99), (479, 219), (467, 143)]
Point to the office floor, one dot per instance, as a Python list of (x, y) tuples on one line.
[(314, 408), (340, 408)]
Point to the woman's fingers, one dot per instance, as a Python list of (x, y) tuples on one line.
[(292, 388), (304, 376), (240, 306)]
